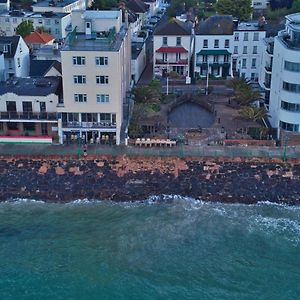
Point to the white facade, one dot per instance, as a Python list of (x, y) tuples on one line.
[(63, 6), (2, 68), (138, 61), (284, 105), (5, 5), (153, 6), (260, 4), (16, 56), (96, 76), (246, 52), (56, 24), (213, 52)]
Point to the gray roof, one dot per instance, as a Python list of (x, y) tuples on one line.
[(216, 25), (12, 42), (136, 49), (172, 27), (41, 86), (45, 3), (39, 68)]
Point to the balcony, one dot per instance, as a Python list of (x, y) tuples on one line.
[(28, 116), (178, 62), (267, 84), (213, 64), (90, 125), (268, 68)]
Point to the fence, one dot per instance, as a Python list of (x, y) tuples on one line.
[(179, 151)]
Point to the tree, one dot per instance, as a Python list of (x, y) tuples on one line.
[(240, 9), (148, 94), (104, 4), (24, 28), (253, 113), (244, 93)]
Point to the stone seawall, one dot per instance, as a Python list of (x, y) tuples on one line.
[(137, 178)]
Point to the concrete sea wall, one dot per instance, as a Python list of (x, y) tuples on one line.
[(137, 178)]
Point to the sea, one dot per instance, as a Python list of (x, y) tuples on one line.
[(166, 247)]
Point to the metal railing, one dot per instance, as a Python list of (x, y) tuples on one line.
[(28, 116)]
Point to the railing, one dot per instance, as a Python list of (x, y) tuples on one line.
[(28, 116), (267, 84), (176, 62), (268, 67), (89, 125)]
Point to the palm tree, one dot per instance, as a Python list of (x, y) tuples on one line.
[(253, 113)]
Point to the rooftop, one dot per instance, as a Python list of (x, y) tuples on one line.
[(30, 14), (295, 18), (41, 86), (172, 27), (38, 68), (38, 38), (60, 3), (101, 14), (136, 49), (249, 26), (216, 25), (11, 42), (109, 41)]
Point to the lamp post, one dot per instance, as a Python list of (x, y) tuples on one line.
[(78, 144), (207, 72)]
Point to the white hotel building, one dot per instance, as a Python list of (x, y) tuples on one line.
[(96, 75), (284, 107)]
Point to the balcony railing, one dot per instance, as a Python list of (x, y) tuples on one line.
[(268, 67), (176, 62), (267, 84), (34, 116), (220, 63), (89, 125)]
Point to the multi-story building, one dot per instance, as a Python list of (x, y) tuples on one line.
[(2, 67), (55, 23), (214, 47), (246, 54), (59, 6), (4, 5), (259, 4), (284, 107), (28, 106), (96, 72), (172, 48), (16, 56), (138, 60)]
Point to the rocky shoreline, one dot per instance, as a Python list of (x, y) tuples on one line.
[(138, 178)]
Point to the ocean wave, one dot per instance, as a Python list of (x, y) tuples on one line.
[(24, 200)]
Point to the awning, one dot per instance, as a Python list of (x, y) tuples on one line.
[(171, 50), (214, 52)]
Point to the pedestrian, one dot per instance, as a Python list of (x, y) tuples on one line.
[(219, 120)]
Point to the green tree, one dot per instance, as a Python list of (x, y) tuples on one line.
[(244, 93), (253, 113), (240, 9), (104, 4), (24, 28)]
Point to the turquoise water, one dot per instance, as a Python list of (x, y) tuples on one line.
[(175, 249)]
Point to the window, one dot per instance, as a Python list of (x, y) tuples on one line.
[(102, 98), (253, 75), (42, 106), (290, 106), (178, 41), (291, 87), (80, 97), (244, 63), (27, 106), (12, 126), (78, 60), (178, 56), (236, 36), (15, 20), (289, 126), (216, 44), (291, 66), (79, 79), (101, 60), (56, 31), (47, 22), (253, 63), (102, 79), (11, 106), (104, 117), (245, 50), (216, 58), (56, 21), (205, 43), (226, 58), (21, 48), (28, 126), (204, 58), (165, 40), (255, 36), (246, 36), (254, 49), (243, 75), (19, 62), (226, 43), (40, 21), (235, 50)]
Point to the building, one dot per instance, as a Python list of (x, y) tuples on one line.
[(45, 68), (59, 6), (96, 72), (153, 6), (56, 24), (214, 47), (246, 55), (16, 56), (284, 80), (172, 48), (138, 60), (2, 67), (260, 4), (28, 106), (38, 39), (4, 5)]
